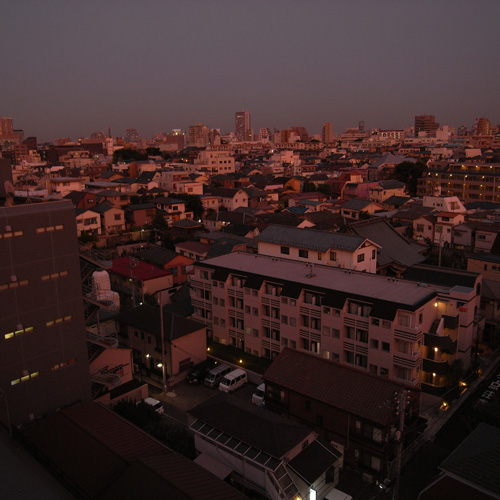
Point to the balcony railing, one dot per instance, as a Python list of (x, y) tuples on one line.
[(407, 360), (408, 333), (442, 342), (437, 367)]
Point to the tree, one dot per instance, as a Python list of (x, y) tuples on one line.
[(193, 203), (409, 173), (127, 155), (308, 187)]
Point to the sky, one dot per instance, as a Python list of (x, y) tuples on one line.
[(72, 67)]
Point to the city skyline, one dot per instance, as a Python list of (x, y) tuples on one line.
[(78, 68)]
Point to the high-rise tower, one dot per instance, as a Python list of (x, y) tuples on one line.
[(242, 125)]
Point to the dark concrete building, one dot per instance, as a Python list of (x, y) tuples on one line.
[(43, 353)]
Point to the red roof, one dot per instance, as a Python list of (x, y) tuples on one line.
[(338, 386), (141, 271)]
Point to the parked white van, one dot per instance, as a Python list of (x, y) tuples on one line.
[(258, 395), (233, 380), (155, 404), (215, 375)]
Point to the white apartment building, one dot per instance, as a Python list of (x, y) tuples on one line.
[(319, 247), (215, 162), (407, 331)]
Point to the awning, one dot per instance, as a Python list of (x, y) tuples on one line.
[(213, 465)]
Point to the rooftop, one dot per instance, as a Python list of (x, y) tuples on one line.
[(325, 277)]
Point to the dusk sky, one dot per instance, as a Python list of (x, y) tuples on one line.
[(70, 67)]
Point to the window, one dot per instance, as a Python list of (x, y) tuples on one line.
[(293, 321), (285, 250), (374, 343), (349, 357), (333, 256), (284, 319), (374, 254), (304, 254), (375, 322), (386, 347), (361, 257), (335, 333)]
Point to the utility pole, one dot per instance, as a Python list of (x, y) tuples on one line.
[(162, 332), (401, 407)]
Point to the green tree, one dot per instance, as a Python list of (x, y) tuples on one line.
[(128, 155), (409, 173), (308, 187), (193, 203)]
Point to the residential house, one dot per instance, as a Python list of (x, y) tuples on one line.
[(112, 219), (87, 221), (184, 342), (470, 471), (82, 199), (396, 252), (385, 189), (230, 198), (115, 198), (174, 209), (140, 214), (443, 227), (62, 186), (353, 410), (271, 455), (135, 278), (169, 260), (319, 247), (353, 209), (475, 236)]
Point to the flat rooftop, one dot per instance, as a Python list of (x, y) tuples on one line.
[(330, 278)]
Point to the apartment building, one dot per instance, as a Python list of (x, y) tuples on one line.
[(43, 354), (469, 181), (384, 326)]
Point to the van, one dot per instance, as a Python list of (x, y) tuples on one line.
[(198, 373), (155, 404), (258, 395), (233, 380), (215, 375)]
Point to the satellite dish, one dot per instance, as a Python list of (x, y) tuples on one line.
[(9, 193)]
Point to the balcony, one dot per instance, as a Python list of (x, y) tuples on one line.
[(442, 342), (407, 360), (434, 390), (408, 333), (437, 367)]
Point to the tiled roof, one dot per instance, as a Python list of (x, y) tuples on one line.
[(477, 458), (147, 318), (103, 456), (140, 270), (351, 390), (194, 246), (310, 239)]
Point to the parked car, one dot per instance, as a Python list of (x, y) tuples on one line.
[(233, 380), (155, 404), (198, 373), (215, 375), (258, 395)]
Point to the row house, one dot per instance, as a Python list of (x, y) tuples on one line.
[(319, 247), (407, 331)]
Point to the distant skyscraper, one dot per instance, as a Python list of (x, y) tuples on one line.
[(242, 125), (301, 132), (427, 124), (131, 135), (327, 133), (199, 135), (484, 127)]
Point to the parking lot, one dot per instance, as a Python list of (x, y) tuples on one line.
[(185, 396)]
